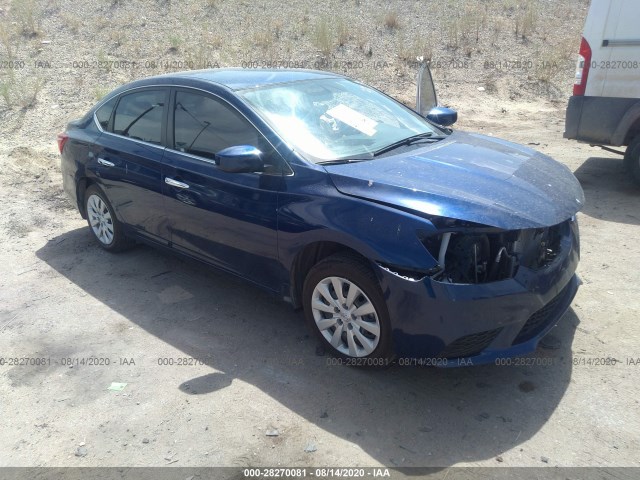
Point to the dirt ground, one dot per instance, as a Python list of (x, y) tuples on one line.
[(212, 364)]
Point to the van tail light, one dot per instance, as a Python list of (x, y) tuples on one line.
[(582, 69), (62, 139)]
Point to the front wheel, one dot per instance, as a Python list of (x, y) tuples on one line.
[(345, 308), (632, 160)]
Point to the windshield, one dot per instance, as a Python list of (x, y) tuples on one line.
[(336, 118)]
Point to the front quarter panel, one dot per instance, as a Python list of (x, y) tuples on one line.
[(312, 210)]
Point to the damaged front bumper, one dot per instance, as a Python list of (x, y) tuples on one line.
[(470, 324)]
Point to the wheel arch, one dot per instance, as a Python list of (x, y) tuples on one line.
[(633, 132), (310, 255), (374, 233), (81, 187), (628, 127)]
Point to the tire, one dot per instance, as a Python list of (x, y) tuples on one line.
[(363, 338), (103, 224), (632, 160)]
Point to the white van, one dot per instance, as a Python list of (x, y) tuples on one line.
[(605, 107)]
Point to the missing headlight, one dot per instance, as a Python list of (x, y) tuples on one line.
[(481, 255), (479, 258)]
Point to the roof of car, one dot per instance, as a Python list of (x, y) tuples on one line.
[(241, 78)]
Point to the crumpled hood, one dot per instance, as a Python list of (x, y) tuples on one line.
[(468, 177)]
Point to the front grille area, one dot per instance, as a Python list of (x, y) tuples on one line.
[(539, 319), (470, 345)]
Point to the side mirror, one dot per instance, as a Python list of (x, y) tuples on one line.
[(240, 159), (442, 116)]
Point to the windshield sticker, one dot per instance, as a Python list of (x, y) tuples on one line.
[(354, 119)]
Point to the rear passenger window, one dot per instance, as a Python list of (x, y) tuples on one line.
[(139, 116), (103, 114)]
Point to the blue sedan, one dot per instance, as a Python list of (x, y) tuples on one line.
[(396, 235)]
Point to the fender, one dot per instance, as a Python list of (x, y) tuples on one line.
[(625, 124), (318, 212)]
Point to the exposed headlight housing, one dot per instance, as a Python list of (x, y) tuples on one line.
[(471, 254)]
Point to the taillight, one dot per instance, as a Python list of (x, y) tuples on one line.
[(62, 139), (582, 69)]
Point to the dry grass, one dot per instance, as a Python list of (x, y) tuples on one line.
[(363, 42), (117, 36), (452, 33), (277, 27), (567, 48), (485, 30), (5, 92), (104, 61), (497, 29), (466, 26), (72, 22), (403, 51), (526, 19), (100, 92), (213, 40), (26, 14), (20, 92), (175, 42), (391, 20), (102, 23), (548, 66), (6, 41), (323, 37), (473, 22), (491, 83), (200, 57), (419, 50), (266, 35), (342, 32)]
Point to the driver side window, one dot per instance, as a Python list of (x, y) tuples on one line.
[(204, 125)]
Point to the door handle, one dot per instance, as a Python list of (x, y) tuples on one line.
[(106, 163), (175, 183)]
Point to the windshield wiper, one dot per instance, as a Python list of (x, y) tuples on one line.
[(354, 159), (428, 137)]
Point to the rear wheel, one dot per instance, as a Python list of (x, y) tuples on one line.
[(102, 221), (632, 160), (345, 308)]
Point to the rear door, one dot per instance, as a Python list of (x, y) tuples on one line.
[(128, 160), (228, 219)]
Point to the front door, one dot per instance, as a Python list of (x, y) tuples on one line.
[(229, 219)]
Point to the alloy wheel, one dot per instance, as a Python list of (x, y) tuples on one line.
[(345, 316), (100, 219)]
